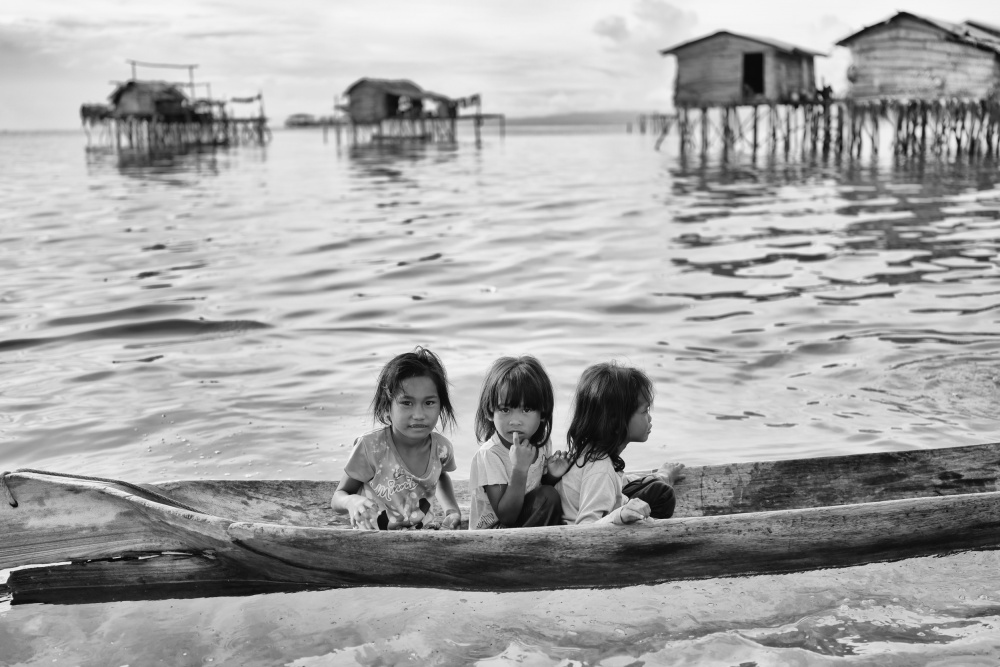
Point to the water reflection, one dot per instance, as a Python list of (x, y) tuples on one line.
[(922, 213), (164, 165), (392, 162)]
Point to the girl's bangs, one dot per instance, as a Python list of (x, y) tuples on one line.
[(519, 389)]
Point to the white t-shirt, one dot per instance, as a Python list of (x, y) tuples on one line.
[(590, 492), (492, 465)]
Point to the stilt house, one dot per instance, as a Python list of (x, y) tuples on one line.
[(148, 99), (726, 68), (375, 100), (908, 56)]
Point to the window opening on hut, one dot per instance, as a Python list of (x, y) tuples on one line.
[(753, 74)]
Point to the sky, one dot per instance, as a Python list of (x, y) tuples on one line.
[(524, 57)]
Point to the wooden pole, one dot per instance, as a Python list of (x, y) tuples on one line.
[(773, 118), (704, 130), (826, 125), (923, 127), (840, 128), (876, 128), (788, 130), (725, 134)]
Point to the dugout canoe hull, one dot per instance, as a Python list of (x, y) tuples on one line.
[(100, 541)]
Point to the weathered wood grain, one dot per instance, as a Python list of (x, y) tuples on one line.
[(838, 480), (597, 556), (908, 58), (157, 577), (254, 536)]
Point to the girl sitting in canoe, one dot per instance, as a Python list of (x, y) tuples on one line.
[(394, 471), (611, 409), (514, 470)]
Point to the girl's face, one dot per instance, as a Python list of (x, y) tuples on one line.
[(414, 411), (522, 420), (641, 422)]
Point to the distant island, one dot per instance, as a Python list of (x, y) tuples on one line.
[(309, 120), (574, 118), (580, 118)]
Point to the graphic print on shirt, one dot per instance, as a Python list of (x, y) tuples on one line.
[(389, 484), (393, 485)]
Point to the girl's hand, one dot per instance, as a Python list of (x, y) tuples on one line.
[(558, 463), (364, 514), (634, 510), (522, 452), (452, 520)]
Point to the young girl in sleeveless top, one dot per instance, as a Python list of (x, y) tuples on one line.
[(611, 409), (395, 471)]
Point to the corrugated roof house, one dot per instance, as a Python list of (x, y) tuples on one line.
[(146, 99), (729, 68), (912, 56), (375, 100)]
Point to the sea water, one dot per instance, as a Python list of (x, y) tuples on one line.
[(223, 314)]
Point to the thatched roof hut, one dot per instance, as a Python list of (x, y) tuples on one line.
[(911, 56), (146, 99), (95, 113), (375, 100), (729, 68)]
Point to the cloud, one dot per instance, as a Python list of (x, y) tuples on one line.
[(592, 58), (655, 24), (612, 27), (222, 34), (630, 54)]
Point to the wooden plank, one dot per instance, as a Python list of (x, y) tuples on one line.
[(597, 556), (159, 577), (58, 520), (300, 502), (907, 60), (838, 480)]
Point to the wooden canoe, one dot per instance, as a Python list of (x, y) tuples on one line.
[(99, 540)]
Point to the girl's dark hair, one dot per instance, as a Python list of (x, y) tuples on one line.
[(419, 363), (513, 382), (606, 398)]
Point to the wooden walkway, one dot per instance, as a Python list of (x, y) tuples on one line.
[(398, 130)]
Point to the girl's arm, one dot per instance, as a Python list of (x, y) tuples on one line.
[(636, 509), (508, 499), (598, 497), (346, 499), (446, 496)]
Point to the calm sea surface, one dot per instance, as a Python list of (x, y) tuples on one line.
[(224, 314)]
